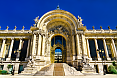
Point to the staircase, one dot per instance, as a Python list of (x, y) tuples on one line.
[(58, 69)]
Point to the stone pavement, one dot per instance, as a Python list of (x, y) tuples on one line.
[(89, 76)]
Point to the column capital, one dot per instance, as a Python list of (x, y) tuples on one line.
[(21, 38), (86, 38), (43, 35), (4, 38), (95, 38), (12, 38), (112, 38), (78, 33), (34, 33), (82, 33), (103, 38), (39, 33)]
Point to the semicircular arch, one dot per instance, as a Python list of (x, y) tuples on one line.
[(54, 13)]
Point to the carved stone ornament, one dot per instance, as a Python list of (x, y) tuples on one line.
[(58, 29), (36, 19)]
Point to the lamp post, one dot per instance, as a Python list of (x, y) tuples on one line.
[(101, 52)]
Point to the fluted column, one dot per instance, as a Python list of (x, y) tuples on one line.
[(73, 47), (105, 48), (77, 44), (33, 47), (2, 49), (48, 48), (43, 48), (20, 46), (96, 46), (88, 49), (39, 45), (114, 48), (11, 47), (83, 47)]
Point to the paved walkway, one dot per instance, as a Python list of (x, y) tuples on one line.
[(95, 76)]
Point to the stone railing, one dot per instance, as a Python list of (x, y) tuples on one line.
[(45, 71), (17, 31), (72, 70)]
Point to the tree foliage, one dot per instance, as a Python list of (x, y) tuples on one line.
[(3, 72), (9, 66), (112, 69)]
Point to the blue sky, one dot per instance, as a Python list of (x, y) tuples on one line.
[(93, 12)]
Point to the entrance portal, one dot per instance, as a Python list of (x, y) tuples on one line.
[(58, 55), (58, 50)]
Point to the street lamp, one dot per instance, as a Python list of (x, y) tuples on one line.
[(101, 52)]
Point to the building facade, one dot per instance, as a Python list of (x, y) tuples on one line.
[(57, 37)]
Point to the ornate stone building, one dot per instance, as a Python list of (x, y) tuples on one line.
[(57, 37)]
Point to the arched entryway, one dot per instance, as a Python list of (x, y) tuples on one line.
[(58, 55), (58, 49)]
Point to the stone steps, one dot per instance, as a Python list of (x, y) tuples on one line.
[(58, 70)]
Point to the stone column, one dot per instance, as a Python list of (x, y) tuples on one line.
[(96, 46), (28, 51), (88, 49), (73, 47), (11, 47), (49, 44), (78, 46), (83, 47), (105, 48), (2, 48), (43, 47), (34, 42), (114, 48), (39, 45), (20, 46)]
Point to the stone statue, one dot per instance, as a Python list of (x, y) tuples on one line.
[(80, 21), (34, 25), (23, 27), (7, 27), (36, 19), (15, 27)]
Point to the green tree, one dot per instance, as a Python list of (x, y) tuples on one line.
[(9, 66), (112, 69)]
